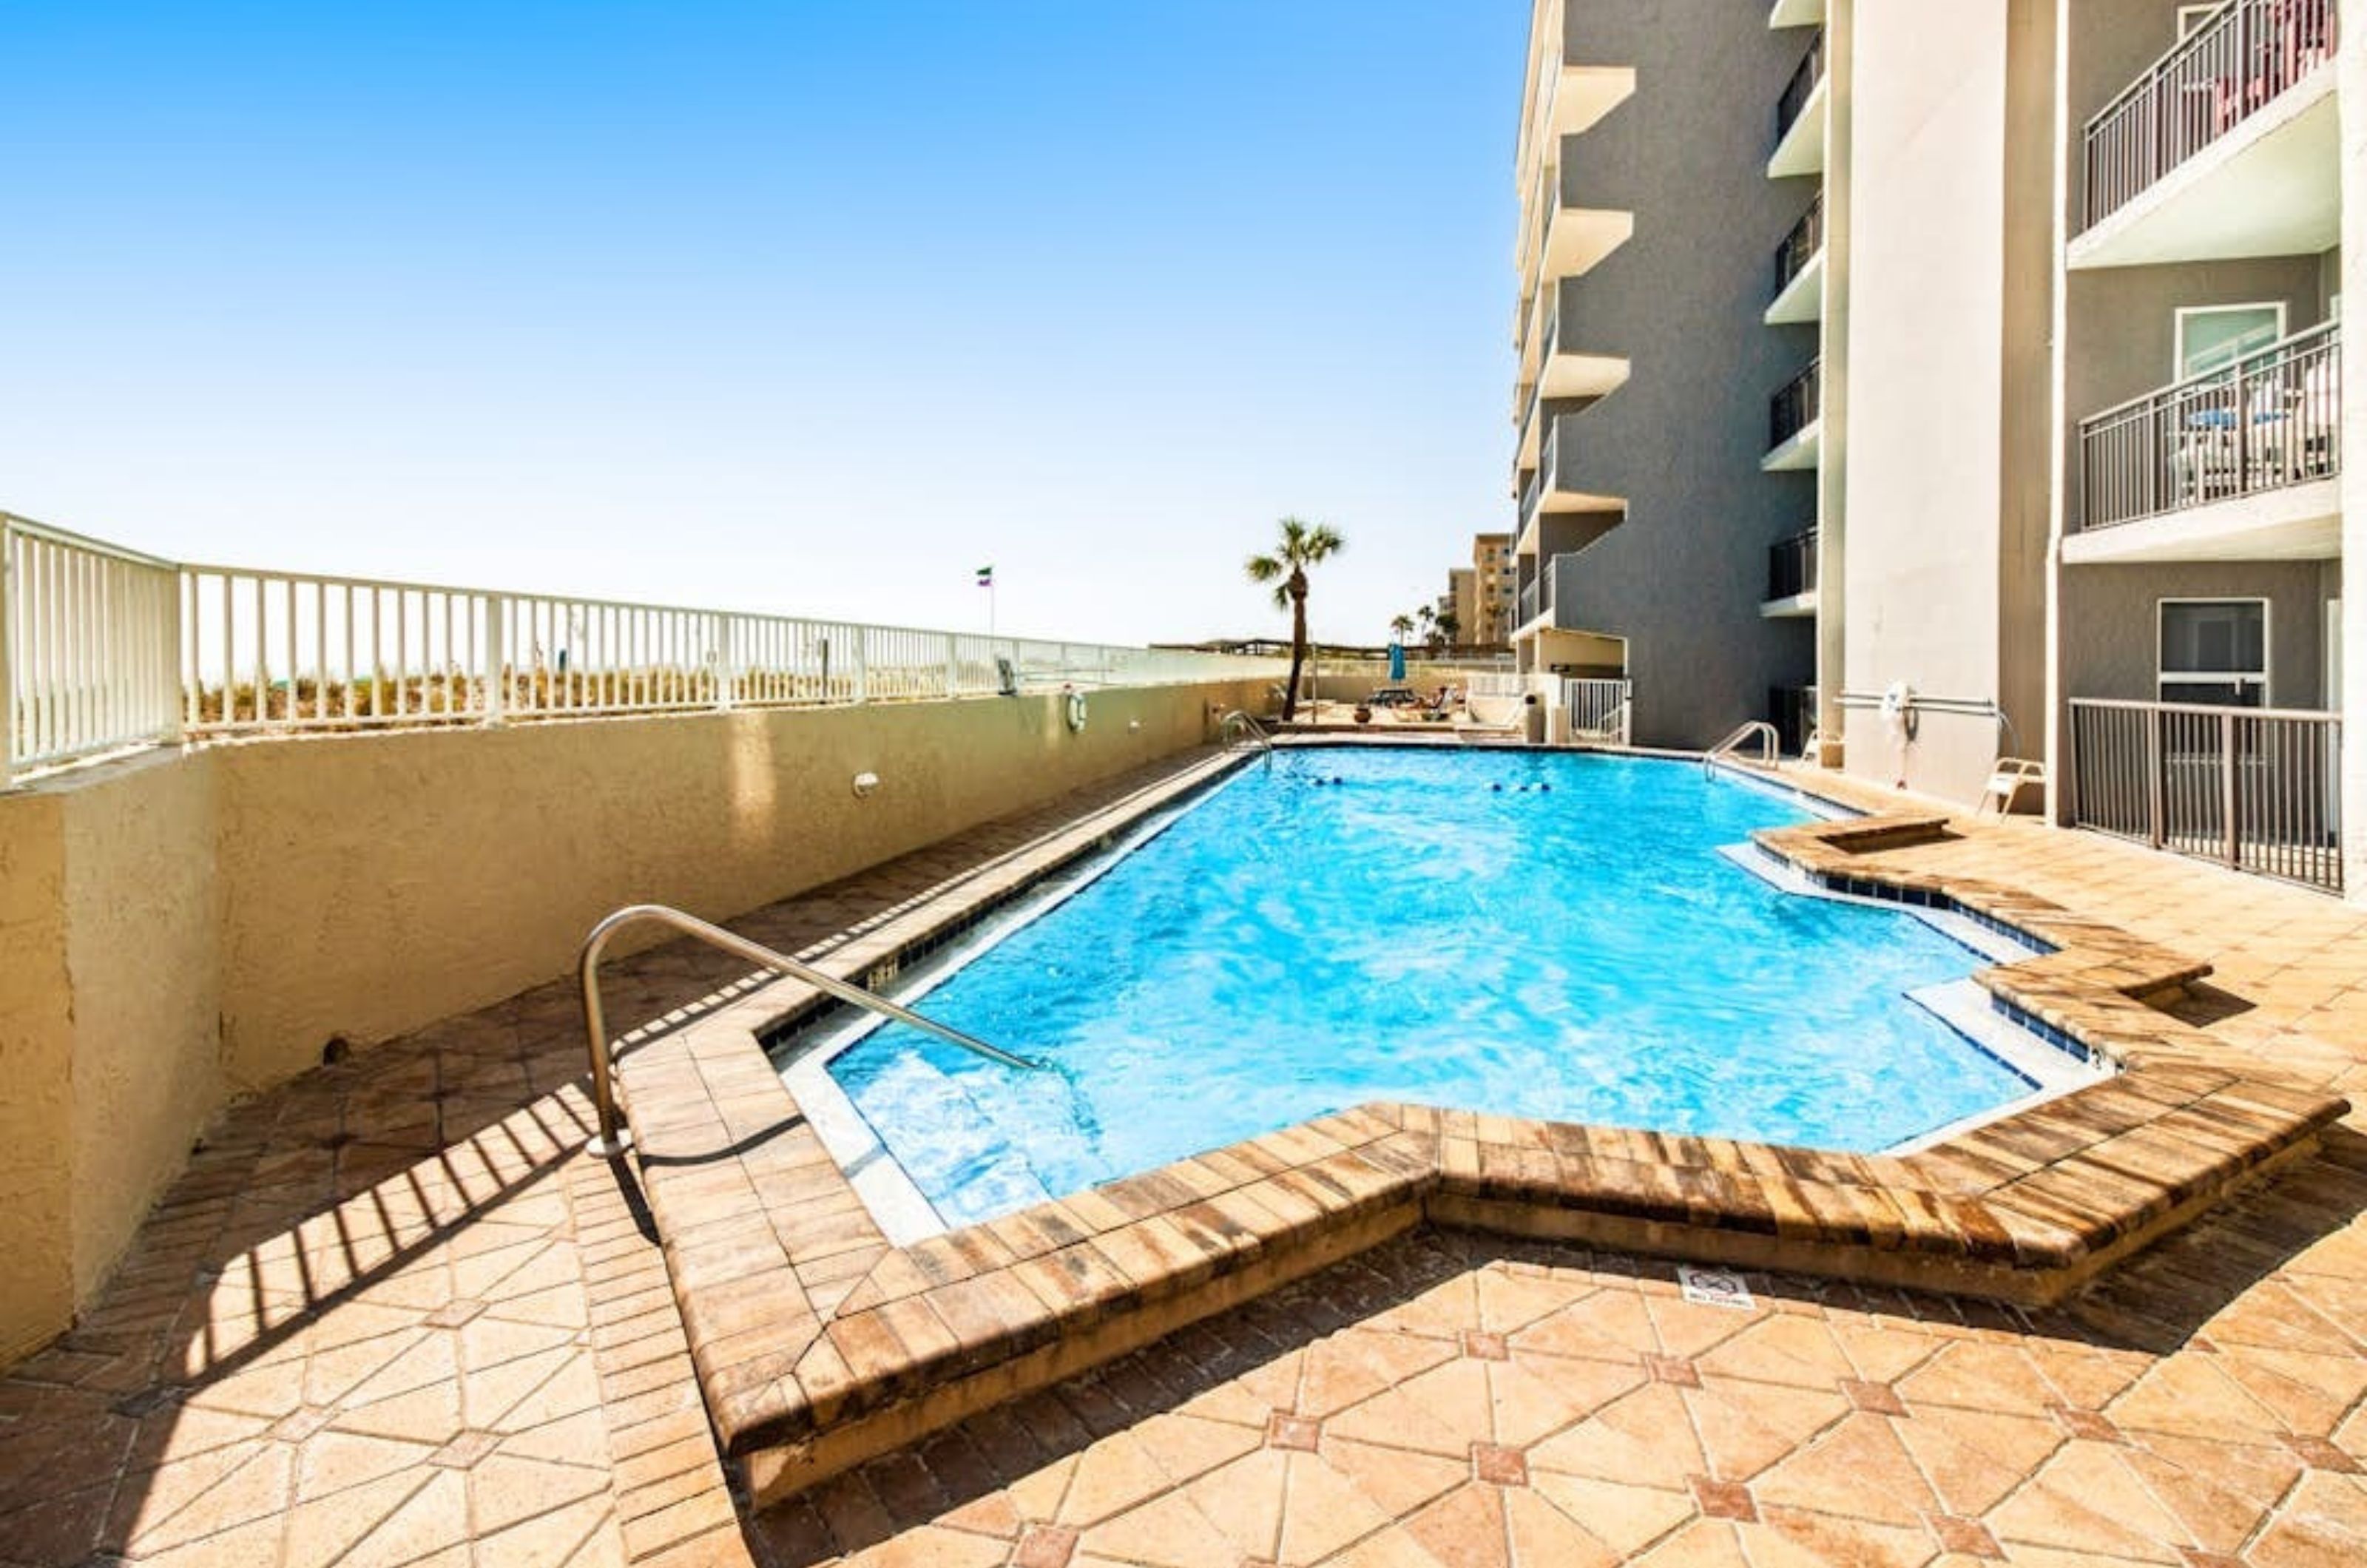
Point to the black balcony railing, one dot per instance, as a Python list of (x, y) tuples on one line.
[(1804, 82), (1528, 603), (2271, 419), (2256, 789), (1795, 408), (1792, 565), (2216, 77), (1793, 711), (1801, 245)]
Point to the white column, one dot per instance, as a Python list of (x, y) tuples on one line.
[(2350, 77)]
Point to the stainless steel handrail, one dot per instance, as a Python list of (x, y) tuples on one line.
[(1770, 744), (1237, 719), (612, 1139)]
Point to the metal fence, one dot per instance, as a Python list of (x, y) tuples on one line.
[(1598, 710), (1804, 77), (1792, 565), (2214, 78), (2256, 789), (103, 648), (1796, 406), (1800, 246), (2271, 419)]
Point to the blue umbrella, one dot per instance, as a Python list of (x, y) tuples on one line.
[(1397, 661)]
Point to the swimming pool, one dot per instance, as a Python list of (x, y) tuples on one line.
[(1548, 935)]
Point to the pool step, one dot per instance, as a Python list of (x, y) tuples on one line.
[(993, 1176)]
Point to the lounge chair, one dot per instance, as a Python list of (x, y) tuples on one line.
[(2013, 775)]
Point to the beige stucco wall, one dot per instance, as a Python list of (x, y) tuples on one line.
[(178, 930), (1949, 380), (36, 1051)]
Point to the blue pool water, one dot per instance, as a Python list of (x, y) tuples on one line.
[(1291, 946)]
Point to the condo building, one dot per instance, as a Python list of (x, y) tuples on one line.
[(1495, 590), (1976, 394)]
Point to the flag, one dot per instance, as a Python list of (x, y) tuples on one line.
[(986, 577)]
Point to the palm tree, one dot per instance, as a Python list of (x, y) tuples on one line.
[(1300, 544), (1445, 626), (1401, 626)]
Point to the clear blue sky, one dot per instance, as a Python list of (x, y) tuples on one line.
[(813, 306)]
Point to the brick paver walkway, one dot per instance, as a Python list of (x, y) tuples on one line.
[(391, 1316)]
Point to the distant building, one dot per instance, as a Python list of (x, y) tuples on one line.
[(1495, 590), (1462, 599)]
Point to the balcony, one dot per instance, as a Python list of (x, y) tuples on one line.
[(1568, 100), (1791, 577), (1800, 270), (1554, 488), (1559, 374), (1800, 119), (2227, 146), (1794, 422), (2238, 464)]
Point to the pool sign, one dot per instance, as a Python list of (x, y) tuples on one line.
[(1714, 1287)]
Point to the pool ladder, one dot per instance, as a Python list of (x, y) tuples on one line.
[(1730, 749), (612, 1137), (1237, 723)]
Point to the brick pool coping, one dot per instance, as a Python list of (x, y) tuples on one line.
[(819, 1345)]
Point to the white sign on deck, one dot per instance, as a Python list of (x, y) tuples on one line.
[(1714, 1287)]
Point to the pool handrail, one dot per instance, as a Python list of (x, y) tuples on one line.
[(1770, 745), (612, 1138), (1247, 725)]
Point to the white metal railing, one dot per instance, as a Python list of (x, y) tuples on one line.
[(2254, 789), (103, 648), (2210, 81), (1497, 683), (1598, 710), (87, 635), (1755, 730)]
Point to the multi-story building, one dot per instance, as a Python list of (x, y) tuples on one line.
[(2067, 466), (1667, 437), (1461, 601), (1496, 590)]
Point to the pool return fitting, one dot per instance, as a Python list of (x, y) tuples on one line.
[(612, 1138)]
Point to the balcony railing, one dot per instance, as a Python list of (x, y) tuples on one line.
[(1800, 246), (1804, 81), (1529, 601), (102, 649), (2271, 419), (2216, 78), (2254, 789), (1793, 408), (1792, 565)]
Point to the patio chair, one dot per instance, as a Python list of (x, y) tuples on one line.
[(2013, 775)]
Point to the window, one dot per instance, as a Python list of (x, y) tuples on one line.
[(2214, 651), (2210, 336)]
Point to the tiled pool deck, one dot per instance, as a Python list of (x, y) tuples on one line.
[(391, 1315)]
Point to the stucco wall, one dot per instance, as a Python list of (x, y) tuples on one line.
[(2111, 626), (178, 930), (1948, 375), (36, 1056)]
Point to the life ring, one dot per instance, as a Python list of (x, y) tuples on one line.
[(1076, 710)]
